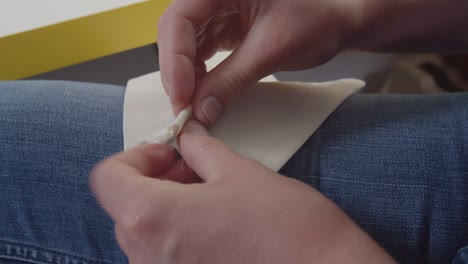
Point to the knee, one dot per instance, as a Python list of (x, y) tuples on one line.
[(38, 96), (80, 114)]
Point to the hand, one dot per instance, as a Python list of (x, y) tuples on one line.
[(266, 36), (228, 209)]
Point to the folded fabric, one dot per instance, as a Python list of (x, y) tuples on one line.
[(268, 122)]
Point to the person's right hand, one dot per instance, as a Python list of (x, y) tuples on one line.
[(216, 206), (266, 36)]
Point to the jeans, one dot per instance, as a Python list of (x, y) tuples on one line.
[(397, 165)]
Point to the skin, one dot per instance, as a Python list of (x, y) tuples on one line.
[(219, 207), (271, 35)]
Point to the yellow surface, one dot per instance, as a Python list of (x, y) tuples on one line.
[(71, 42)]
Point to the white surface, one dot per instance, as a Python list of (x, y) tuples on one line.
[(269, 122), (21, 15), (171, 133), (371, 67)]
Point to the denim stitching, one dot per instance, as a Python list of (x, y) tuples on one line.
[(385, 228), (387, 184), (36, 254), (414, 226)]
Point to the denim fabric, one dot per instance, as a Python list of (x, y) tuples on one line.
[(51, 135), (396, 164)]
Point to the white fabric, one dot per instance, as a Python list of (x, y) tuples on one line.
[(169, 136), (269, 122)]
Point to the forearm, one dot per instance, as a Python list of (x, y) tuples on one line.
[(412, 26)]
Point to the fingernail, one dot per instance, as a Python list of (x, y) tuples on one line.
[(195, 128), (211, 108)]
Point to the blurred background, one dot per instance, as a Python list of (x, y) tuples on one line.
[(41, 39), (384, 73)]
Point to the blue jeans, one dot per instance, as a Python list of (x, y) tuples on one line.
[(398, 165)]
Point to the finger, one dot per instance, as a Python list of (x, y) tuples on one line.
[(181, 173), (255, 57), (177, 41), (241, 69), (200, 70), (208, 157), (148, 160), (122, 186), (226, 38)]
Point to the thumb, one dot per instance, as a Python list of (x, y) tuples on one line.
[(244, 66), (208, 156), (126, 182)]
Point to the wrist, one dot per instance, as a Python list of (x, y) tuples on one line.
[(381, 24), (409, 26)]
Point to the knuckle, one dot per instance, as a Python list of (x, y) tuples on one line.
[(234, 81), (166, 16), (275, 48), (182, 55), (147, 217), (151, 224), (162, 22), (205, 143), (251, 168), (134, 225), (250, 164)]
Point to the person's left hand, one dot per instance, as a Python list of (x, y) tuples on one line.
[(229, 209)]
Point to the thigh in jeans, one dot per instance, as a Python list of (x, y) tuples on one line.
[(51, 135), (395, 164), (398, 166)]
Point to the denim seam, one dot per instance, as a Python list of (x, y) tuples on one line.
[(414, 226), (36, 254), (388, 184), (459, 119), (19, 259), (384, 228)]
